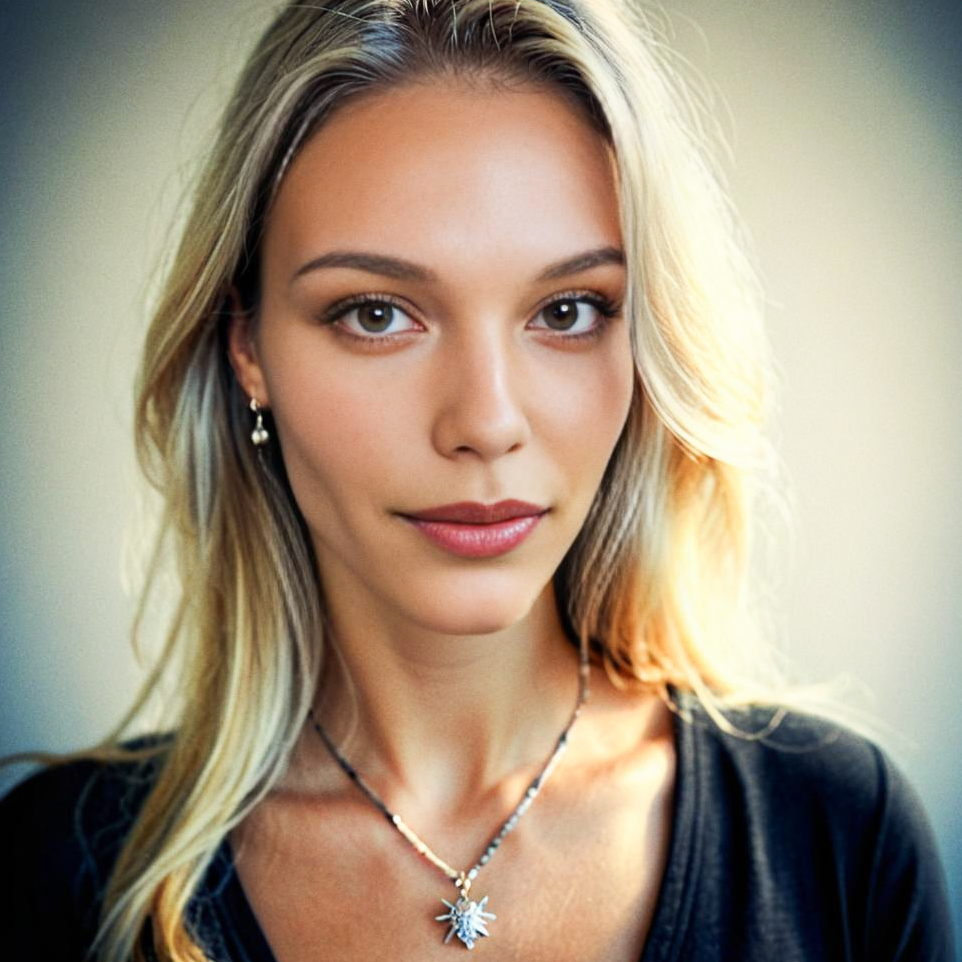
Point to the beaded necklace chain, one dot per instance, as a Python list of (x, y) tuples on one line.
[(467, 919)]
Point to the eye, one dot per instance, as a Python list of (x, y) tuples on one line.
[(575, 316), (369, 318)]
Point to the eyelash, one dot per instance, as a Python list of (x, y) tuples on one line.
[(606, 308)]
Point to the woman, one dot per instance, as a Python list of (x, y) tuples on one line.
[(455, 399)]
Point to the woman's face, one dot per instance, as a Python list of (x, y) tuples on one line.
[(436, 272)]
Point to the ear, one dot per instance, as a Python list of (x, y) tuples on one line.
[(242, 351)]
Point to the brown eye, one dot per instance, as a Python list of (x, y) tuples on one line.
[(562, 315), (371, 318), (574, 316), (375, 317)]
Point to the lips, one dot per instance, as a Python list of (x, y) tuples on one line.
[(475, 530), (472, 512)]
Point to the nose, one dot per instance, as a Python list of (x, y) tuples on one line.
[(479, 406)]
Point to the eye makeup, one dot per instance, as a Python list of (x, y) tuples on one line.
[(606, 308)]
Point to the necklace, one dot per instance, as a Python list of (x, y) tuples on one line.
[(467, 919)]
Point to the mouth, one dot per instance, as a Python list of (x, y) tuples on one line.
[(473, 512), (474, 530)]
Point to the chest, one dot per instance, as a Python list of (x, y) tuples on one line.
[(577, 880)]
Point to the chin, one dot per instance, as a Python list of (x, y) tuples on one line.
[(470, 622), (481, 614)]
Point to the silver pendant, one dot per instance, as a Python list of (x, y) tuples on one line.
[(467, 919)]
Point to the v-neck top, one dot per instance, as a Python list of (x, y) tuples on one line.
[(804, 844)]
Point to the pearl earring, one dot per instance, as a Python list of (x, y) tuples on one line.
[(260, 435)]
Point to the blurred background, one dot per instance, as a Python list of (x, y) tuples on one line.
[(846, 121)]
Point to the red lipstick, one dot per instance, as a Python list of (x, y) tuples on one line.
[(475, 530)]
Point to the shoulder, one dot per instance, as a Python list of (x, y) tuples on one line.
[(786, 752), (807, 766), (825, 814), (61, 830)]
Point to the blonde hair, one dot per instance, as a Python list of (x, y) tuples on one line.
[(655, 581)]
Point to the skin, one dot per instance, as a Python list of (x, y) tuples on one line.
[(469, 387)]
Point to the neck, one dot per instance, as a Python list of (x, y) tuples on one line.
[(441, 720)]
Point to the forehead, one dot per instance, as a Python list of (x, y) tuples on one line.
[(440, 170)]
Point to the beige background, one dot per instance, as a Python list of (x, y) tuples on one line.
[(848, 169)]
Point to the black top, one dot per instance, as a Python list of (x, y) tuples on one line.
[(805, 844)]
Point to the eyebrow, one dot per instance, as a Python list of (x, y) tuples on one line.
[(403, 270)]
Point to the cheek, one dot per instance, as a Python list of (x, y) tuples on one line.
[(337, 432), (619, 381), (590, 404)]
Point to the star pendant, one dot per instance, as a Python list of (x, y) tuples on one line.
[(467, 919)]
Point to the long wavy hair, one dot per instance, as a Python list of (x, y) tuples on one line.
[(655, 581)]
